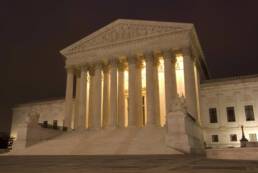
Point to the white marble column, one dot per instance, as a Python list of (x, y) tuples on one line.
[(82, 99), (112, 122), (97, 100), (131, 92), (106, 96), (156, 91), (138, 94), (69, 98), (170, 79), (121, 95), (149, 60), (77, 100), (152, 90), (190, 86), (91, 96)]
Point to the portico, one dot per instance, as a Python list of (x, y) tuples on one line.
[(129, 74), (132, 88)]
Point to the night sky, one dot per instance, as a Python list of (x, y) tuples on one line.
[(32, 33)]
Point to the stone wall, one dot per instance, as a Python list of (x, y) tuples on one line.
[(183, 131), (47, 110), (233, 153)]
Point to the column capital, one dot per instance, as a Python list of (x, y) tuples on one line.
[(152, 57), (114, 62), (69, 69), (105, 68), (84, 68), (99, 65), (168, 54), (139, 63), (156, 61), (184, 51), (131, 59), (121, 66), (92, 70), (149, 56), (77, 71)]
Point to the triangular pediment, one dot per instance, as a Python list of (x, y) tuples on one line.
[(123, 30)]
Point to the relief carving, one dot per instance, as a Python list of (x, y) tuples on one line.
[(123, 32)]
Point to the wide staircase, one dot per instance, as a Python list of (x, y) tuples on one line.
[(117, 141)]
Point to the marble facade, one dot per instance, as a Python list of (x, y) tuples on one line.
[(134, 74), (234, 92), (99, 62)]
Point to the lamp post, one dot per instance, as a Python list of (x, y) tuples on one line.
[(243, 140)]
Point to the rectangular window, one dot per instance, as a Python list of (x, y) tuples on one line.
[(233, 137), (231, 114), (252, 137), (213, 115), (55, 124), (45, 124), (249, 113), (215, 138)]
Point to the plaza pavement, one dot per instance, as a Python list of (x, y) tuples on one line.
[(123, 164)]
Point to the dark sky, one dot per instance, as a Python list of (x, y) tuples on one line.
[(32, 32)]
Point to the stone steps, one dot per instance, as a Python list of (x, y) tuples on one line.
[(149, 140)]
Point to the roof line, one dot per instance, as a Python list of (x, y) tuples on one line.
[(233, 78)]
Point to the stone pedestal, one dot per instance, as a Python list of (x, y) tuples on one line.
[(20, 141), (30, 133), (183, 133)]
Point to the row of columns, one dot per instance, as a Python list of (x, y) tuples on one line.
[(109, 111)]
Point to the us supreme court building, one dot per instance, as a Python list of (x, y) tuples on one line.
[(132, 77)]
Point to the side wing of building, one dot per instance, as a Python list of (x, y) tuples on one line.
[(226, 105), (49, 111)]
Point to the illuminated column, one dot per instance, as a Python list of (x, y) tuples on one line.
[(96, 115), (113, 94), (150, 100), (106, 96), (131, 92), (190, 86), (156, 91), (121, 95), (82, 99), (77, 99), (170, 80), (69, 98), (91, 96), (138, 94)]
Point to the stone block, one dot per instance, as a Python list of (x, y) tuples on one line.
[(183, 133), (250, 153), (252, 144)]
